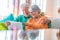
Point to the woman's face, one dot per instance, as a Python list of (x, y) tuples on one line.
[(35, 14)]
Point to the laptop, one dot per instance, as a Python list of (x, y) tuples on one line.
[(15, 26)]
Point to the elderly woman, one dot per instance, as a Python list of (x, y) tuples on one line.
[(37, 21)]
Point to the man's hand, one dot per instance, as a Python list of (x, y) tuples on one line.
[(8, 23)]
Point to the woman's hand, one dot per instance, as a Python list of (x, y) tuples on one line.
[(46, 21), (26, 24)]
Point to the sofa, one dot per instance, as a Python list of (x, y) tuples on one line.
[(2, 22), (55, 22)]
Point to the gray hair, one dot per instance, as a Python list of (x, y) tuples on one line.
[(34, 8), (24, 5)]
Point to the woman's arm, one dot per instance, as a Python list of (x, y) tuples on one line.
[(31, 24), (35, 26)]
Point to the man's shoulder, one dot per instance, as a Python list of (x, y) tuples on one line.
[(21, 16)]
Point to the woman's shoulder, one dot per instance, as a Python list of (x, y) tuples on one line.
[(30, 18), (44, 17)]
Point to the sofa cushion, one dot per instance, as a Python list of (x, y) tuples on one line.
[(9, 18), (55, 22), (3, 26)]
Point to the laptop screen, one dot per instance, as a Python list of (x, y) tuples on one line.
[(15, 25)]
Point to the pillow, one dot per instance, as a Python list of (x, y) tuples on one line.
[(3, 26), (9, 18)]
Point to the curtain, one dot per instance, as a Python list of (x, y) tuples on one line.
[(6, 8), (11, 35), (40, 3)]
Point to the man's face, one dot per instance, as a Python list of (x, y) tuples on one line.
[(25, 10)]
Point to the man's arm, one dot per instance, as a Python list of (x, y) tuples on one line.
[(19, 19)]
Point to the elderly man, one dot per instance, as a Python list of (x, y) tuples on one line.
[(23, 18)]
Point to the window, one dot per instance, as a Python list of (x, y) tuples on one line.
[(40, 3), (6, 7), (10, 35), (21, 2)]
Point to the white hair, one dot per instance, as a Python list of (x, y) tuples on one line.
[(24, 5), (34, 8)]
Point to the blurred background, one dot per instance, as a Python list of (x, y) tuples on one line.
[(49, 7)]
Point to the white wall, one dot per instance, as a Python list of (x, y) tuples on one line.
[(51, 8), (50, 34), (54, 34), (6, 7), (47, 34), (56, 6)]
